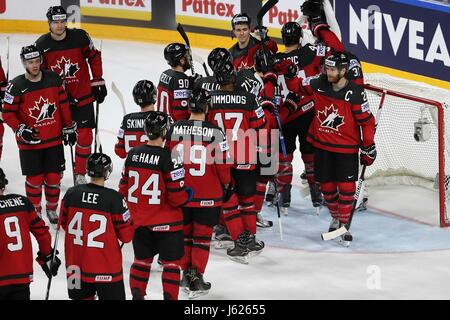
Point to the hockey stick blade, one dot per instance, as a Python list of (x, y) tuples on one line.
[(119, 96), (326, 236), (200, 60), (265, 8)]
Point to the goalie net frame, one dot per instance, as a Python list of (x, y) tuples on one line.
[(373, 87)]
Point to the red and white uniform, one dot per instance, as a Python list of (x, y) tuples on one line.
[(131, 133), (243, 58), (174, 88)]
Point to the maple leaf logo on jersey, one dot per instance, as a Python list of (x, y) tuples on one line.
[(65, 69), (42, 110), (330, 118)]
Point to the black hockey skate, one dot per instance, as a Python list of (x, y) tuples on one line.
[(185, 281), (270, 194), (136, 294), (198, 287), (263, 223), (254, 246), (222, 237), (285, 199), (240, 251)]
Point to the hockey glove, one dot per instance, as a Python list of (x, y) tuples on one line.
[(2, 90), (50, 269), (70, 134), (368, 155), (292, 101), (286, 67), (260, 33), (27, 134), (270, 77), (311, 8), (227, 193), (193, 79), (99, 90), (190, 193)]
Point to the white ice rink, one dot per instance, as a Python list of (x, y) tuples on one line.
[(398, 252)]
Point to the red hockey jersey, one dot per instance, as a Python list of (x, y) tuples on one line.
[(17, 219), (131, 133), (339, 116), (2, 78), (239, 115), (174, 88), (42, 105), (69, 58), (203, 148), (153, 184), (244, 58), (94, 219)]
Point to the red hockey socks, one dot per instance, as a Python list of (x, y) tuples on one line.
[(83, 149), (284, 175), (171, 280), (139, 275), (346, 199), (248, 214), (330, 193), (52, 187), (260, 192), (200, 248), (232, 217), (186, 260), (308, 160), (33, 189)]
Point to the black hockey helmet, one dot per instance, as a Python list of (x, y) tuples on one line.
[(241, 18), (30, 52), (174, 52), (99, 165), (264, 60), (225, 73), (217, 56), (199, 100), (144, 93), (338, 60), (291, 33), (3, 180), (157, 124), (56, 13)]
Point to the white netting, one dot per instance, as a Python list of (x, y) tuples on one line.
[(401, 159)]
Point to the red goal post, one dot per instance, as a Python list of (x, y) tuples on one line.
[(401, 158)]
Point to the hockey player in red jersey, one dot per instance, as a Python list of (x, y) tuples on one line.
[(95, 218), (72, 54), (131, 132), (37, 110), (174, 84), (341, 114), (153, 184), (3, 83), (247, 45), (239, 114), (18, 219), (204, 149)]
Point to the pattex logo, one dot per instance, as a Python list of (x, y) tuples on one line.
[(128, 3), (2, 6)]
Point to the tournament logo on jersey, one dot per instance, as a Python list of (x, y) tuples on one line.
[(330, 118), (42, 110), (65, 68)]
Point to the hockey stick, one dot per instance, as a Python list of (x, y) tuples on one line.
[(277, 103), (183, 34), (277, 203), (265, 8), (119, 96), (97, 110), (359, 190), (52, 261), (202, 62), (7, 58), (73, 163)]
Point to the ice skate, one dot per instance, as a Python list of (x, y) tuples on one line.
[(285, 199), (263, 223), (334, 225), (346, 239), (80, 179), (52, 216), (240, 251), (254, 246), (136, 294), (270, 194), (198, 287), (303, 177), (222, 237)]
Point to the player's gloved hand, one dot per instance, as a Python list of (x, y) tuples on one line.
[(99, 90), (270, 77), (45, 261), (3, 90), (368, 155), (312, 8), (316, 16), (190, 193), (27, 134), (261, 33), (267, 104), (292, 101), (70, 134), (286, 67), (227, 192)]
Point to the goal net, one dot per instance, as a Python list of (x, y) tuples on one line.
[(412, 138)]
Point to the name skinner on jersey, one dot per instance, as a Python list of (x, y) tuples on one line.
[(135, 123)]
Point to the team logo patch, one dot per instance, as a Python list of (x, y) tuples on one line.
[(354, 63), (181, 94), (308, 106), (161, 228), (206, 203), (224, 146), (103, 278), (42, 110), (259, 112), (365, 107), (126, 216), (177, 174), (330, 118), (321, 50), (120, 133), (65, 68), (8, 98)]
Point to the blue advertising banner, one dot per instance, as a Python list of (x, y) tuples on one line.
[(397, 35)]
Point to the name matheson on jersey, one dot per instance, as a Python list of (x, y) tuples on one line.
[(65, 68), (330, 118), (43, 110)]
